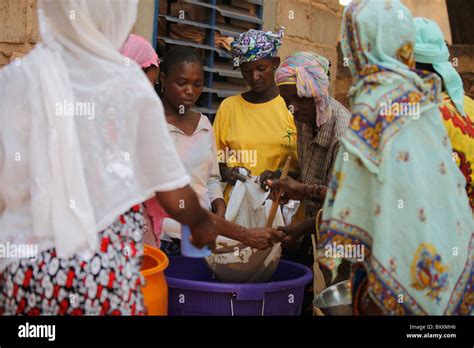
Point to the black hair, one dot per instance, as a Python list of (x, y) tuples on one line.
[(179, 54), (429, 67), (145, 70)]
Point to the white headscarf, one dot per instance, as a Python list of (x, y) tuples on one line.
[(83, 134)]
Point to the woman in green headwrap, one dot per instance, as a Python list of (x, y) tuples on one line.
[(431, 53), (413, 233)]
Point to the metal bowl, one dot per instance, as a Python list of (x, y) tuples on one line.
[(335, 300)]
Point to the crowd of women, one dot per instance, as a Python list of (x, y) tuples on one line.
[(85, 189)]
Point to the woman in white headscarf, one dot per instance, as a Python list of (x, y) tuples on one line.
[(74, 159)]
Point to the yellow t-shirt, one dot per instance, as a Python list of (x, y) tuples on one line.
[(461, 133), (255, 136)]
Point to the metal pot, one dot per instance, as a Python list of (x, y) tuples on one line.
[(335, 300)]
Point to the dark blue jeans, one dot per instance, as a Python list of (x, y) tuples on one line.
[(172, 248)]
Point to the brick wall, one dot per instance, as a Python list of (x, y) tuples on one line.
[(19, 26), (310, 25), (18, 29)]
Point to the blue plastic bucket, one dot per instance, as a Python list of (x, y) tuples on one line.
[(193, 291)]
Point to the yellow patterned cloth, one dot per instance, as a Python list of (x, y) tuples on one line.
[(461, 133)]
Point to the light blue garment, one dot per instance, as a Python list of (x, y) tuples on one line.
[(431, 48), (378, 56), (395, 189)]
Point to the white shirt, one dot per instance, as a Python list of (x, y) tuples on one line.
[(198, 153)]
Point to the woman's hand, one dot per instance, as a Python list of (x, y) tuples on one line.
[(268, 175), (289, 187), (292, 234), (204, 233), (295, 231), (203, 230), (231, 175), (261, 238), (218, 207)]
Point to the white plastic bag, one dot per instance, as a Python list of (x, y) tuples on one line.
[(247, 207)]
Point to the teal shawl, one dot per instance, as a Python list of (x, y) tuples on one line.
[(395, 192), (431, 48)]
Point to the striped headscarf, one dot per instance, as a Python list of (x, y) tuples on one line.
[(309, 72), (256, 44)]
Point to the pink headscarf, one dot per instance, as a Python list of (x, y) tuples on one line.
[(140, 50)]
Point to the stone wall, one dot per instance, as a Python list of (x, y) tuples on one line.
[(310, 25), (18, 29)]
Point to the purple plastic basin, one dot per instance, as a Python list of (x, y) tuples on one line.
[(192, 291)]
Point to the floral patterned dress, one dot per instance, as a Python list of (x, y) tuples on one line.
[(397, 203), (108, 284)]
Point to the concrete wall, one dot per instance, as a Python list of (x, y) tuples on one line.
[(144, 24), (19, 26), (435, 10), (343, 81), (18, 29), (462, 55), (310, 25)]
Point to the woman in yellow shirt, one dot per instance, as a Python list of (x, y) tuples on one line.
[(255, 130)]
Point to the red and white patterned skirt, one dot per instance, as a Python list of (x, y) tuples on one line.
[(108, 284)]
